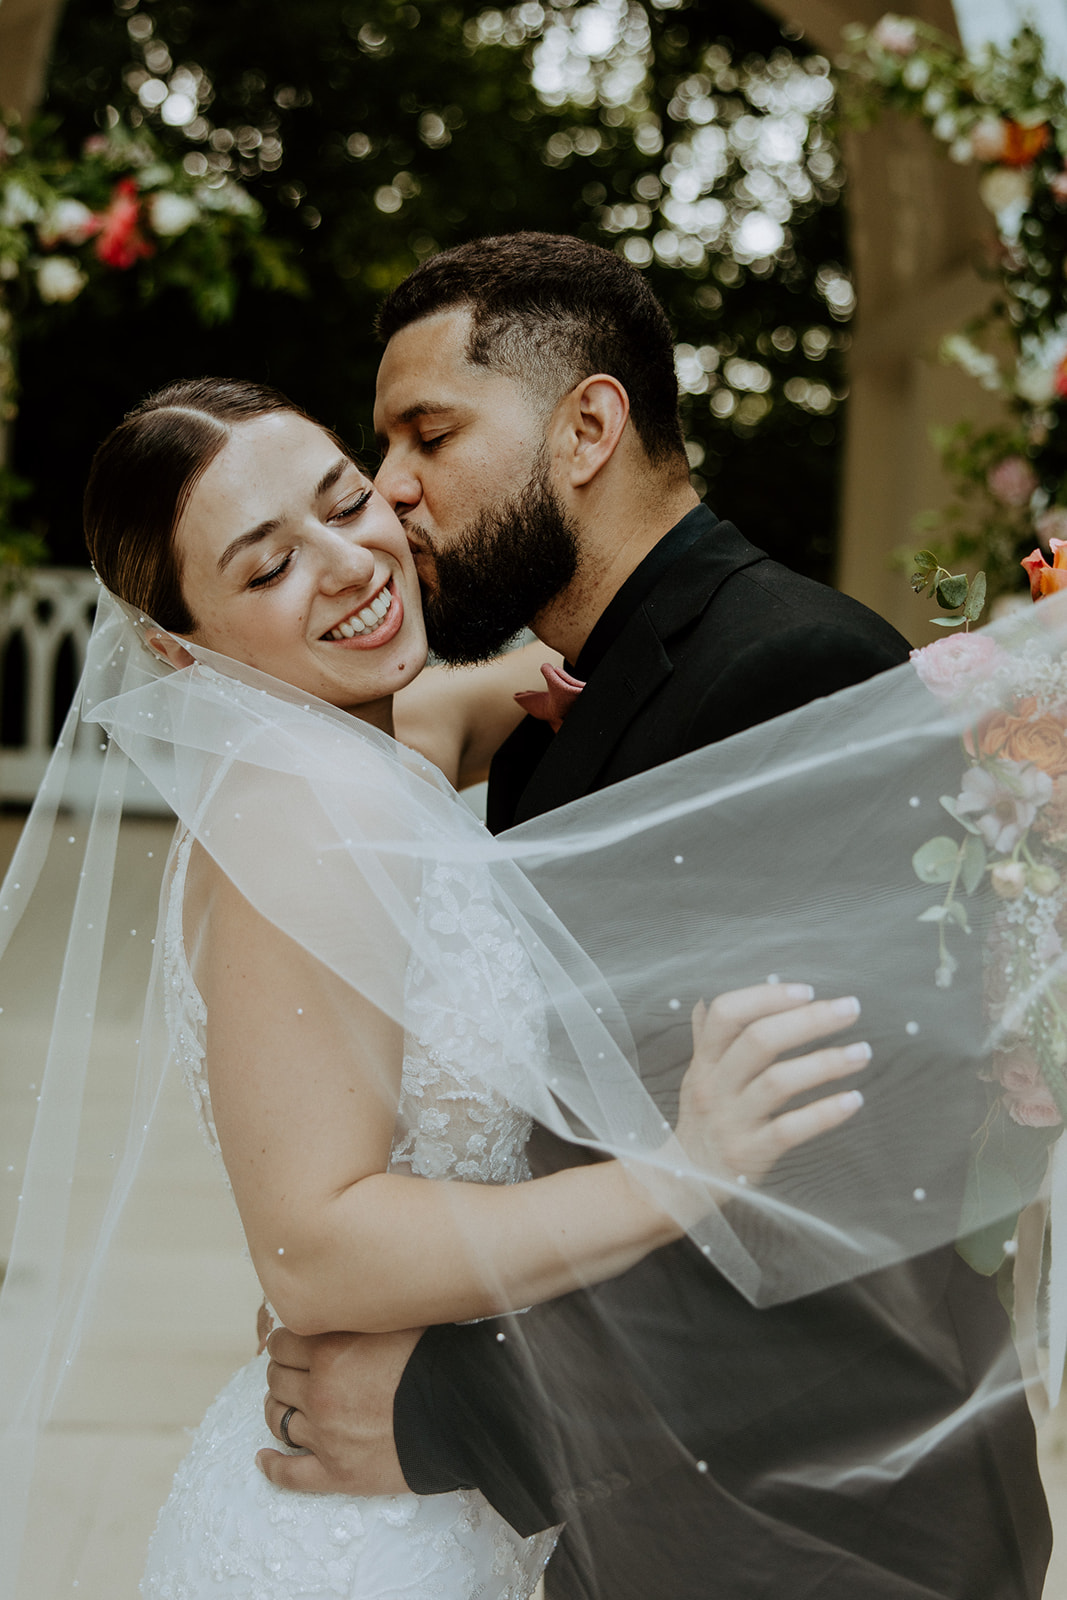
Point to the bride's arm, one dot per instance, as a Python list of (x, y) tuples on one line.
[(458, 717), (305, 1079)]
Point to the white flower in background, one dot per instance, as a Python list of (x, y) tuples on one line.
[(897, 35), (916, 74), (60, 279), (977, 363), (1006, 191), (18, 206), (67, 222), (229, 197), (170, 214), (989, 139), (1051, 524), (1039, 363)]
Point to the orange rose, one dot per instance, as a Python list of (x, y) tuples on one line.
[(1043, 578), (1022, 146), (1024, 737)]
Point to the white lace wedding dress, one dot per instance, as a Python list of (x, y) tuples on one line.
[(225, 1531)]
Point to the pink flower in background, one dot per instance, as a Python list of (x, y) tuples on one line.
[(897, 35), (1012, 481), (1027, 1097), (1050, 525), (1043, 578), (951, 666), (989, 139), (1058, 186)]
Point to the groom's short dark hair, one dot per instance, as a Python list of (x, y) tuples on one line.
[(549, 310)]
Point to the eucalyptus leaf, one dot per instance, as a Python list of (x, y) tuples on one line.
[(935, 861), (948, 622), (952, 591), (976, 594), (975, 859), (949, 803), (925, 561), (934, 914)]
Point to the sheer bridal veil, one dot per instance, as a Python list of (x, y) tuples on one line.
[(905, 841)]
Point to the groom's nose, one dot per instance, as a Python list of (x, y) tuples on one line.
[(397, 483)]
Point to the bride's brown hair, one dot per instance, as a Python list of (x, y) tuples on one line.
[(141, 479)]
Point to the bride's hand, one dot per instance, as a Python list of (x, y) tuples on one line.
[(730, 1117)]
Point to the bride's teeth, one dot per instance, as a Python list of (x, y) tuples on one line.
[(363, 621)]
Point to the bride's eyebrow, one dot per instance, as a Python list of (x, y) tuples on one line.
[(265, 529), (243, 540)]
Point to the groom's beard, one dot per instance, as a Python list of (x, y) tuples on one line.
[(504, 567)]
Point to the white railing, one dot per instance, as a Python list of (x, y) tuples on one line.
[(48, 610)]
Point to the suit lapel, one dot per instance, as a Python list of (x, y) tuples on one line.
[(632, 669)]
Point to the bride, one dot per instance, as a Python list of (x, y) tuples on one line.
[(366, 1011)]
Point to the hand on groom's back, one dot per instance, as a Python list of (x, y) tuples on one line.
[(338, 1391)]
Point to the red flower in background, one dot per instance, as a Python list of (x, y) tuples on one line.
[(120, 242)]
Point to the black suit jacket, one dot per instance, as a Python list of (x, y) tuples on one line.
[(593, 1408)]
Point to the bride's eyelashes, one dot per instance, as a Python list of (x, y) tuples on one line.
[(265, 579), (351, 508), (344, 513)]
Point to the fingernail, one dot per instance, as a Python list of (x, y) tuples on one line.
[(853, 1100), (799, 991), (845, 1008), (858, 1053)]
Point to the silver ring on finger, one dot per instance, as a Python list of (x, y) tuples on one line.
[(283, 1428)]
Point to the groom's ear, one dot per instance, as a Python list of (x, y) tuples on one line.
[(592, 420), (169, 649)]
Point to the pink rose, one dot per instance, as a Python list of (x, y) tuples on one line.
[(1027, 1098), (1035, 1109), (1012, 481), (896, 35), (954, 664)]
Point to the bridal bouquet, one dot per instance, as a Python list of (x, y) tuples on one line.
[(1010, 812)]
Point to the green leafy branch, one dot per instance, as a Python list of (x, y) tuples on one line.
[(959, 865), (953, 591)]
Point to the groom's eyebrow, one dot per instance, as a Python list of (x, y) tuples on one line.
[(412, 413), (272, 524)]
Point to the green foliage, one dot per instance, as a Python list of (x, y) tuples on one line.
[(951, 590), (1006, 113), (20, 549), (374, 133)]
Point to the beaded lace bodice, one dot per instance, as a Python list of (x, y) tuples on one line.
[(450, 1122)]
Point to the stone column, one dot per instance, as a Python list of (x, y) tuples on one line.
[(26, 30)]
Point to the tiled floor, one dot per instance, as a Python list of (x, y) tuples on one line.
[(137, 1398)]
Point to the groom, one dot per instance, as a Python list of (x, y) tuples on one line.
[(527, 405)]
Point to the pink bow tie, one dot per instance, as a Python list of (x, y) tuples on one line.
[(552, 703)]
